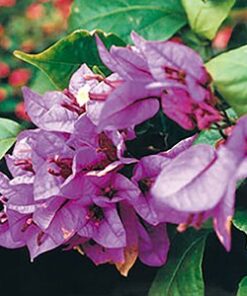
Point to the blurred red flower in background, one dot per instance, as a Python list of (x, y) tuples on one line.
[(4, 70), (222, 38), (63, 6), (3, 94), (28, 45), (7, 3), (20, 112), (35, 11), (1, 30), (19, 77)]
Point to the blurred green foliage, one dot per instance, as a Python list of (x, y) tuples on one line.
[(30, 26)]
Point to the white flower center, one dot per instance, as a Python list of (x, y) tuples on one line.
[(82, 96)]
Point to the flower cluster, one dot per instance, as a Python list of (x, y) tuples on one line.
[(75, 183)]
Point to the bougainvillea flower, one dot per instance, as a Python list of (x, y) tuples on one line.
[(52, 161), (101, 255), (101, 223), (6, 239), (153, 244), (126, 61), (22, 228), (81, 82), (170, 61), (75, 182), (16, 226), (58, 111), (39, 225), (145, 174), (179, 106), (17, 194), (111, 188), (43, 156), (50, 111), (201, 182), (137, 96), (60, 218), (20, 162), (150, 243), (97, 253), (111, 143), (96, 153), (201, 157), (130, 100), (86, 160), (157, 73), (99, 93), (142, 240), (179, 147)]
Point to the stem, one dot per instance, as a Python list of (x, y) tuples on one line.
[(221, 131), (228, 120)]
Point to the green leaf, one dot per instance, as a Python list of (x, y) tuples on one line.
[(202, 46), (229, 72), (209, 137), (153, 19), (240, 220), (182, 274), (205, 17), (8, 131), (62, 59), (41, 83), (242, 291)]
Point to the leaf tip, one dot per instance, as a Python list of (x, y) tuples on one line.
[(22, 55), (17, 53)]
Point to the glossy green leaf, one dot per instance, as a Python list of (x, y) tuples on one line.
[(41, 83), (153, 19), (242, 291), (205, 17), (182, 274), (62, 59), (229, 72), (240, 220), (9, 129)]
